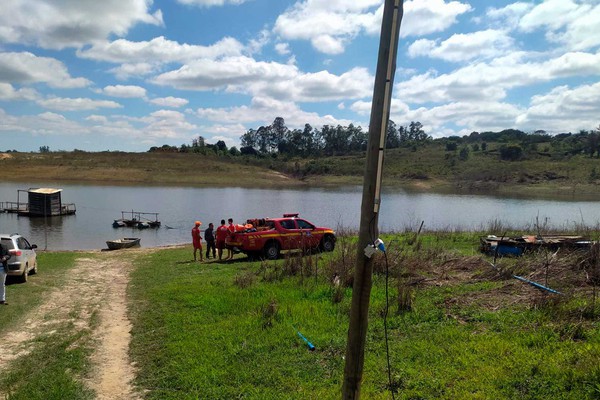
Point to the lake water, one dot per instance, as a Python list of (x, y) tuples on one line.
[(179, 207)]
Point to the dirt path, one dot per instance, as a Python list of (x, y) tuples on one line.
[(93, 298)]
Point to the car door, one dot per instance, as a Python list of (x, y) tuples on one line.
[(29, 255), (289, 234), (308, 239)]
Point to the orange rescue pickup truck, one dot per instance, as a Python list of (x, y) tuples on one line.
[(267, 237)]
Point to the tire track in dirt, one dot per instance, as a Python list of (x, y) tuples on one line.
[(92, 298)]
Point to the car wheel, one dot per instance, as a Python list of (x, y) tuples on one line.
[(271, 251), (327, 243), (34, 270), (23, 277)]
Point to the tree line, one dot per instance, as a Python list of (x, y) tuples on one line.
[(277, 139), (327, 141)]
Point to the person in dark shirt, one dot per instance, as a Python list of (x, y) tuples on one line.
[(209, 236), (4, 256)]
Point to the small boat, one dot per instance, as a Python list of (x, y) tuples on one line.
[(517, 245), (122, 243)]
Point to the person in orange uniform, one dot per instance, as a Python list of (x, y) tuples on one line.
[(231, 230), (222, 233), (197, 239)]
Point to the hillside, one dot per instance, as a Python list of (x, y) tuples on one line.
[(531, 165)]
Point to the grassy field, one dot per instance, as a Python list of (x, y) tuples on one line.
[(118, 168), (457, 328), (60, 360)]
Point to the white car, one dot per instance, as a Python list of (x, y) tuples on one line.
[(23, 260)]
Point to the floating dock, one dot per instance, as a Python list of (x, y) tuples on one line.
[(41, 202), (137, 219)]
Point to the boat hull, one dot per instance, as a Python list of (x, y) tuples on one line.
[(122, 243)]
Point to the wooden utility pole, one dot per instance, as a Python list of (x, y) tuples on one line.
[(380, 112)]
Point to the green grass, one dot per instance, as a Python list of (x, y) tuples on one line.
[(198, 334), (23, 297), (54, 369)]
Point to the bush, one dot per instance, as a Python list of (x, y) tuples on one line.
[(511, 152)]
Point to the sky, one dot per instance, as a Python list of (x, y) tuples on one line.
[(131, 74)]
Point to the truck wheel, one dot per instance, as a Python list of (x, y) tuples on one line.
[(327, 243), (271, 251)]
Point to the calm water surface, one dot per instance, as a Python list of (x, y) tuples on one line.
[(98, 206)]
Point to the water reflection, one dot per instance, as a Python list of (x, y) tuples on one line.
[(178, 208)]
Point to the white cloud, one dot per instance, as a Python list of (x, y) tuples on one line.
[(169, 101), (166, 124), (126, 71), (423, 17), (490, 81), (330, 25), (76, 104), (125, 91), (576, 25), (261, 40), (159, 51), (26, 68), (210, 3), (282, 48), (554, 111), (8, 92), (284, 81), (462, 47), (59, 24), (97, 118), (327, 24), (47, 123), (263, 110), (508, 17)]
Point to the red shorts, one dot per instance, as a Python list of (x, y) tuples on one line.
[(197, 244), (220, 244)]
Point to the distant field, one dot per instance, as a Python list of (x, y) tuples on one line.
[(427, 167), (138, 168)]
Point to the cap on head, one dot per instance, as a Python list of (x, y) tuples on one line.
[(198, 223)]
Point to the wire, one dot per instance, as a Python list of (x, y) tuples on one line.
[(385, 328)]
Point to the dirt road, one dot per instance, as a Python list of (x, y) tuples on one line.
[(92, 299)]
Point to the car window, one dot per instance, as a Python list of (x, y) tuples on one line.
[(24, 244), (302, 224), (8, 243), (288, 224)]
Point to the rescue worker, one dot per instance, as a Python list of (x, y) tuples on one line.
[(222, 233), (197, 239), (231, 229)]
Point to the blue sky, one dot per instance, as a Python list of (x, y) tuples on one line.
[(131, 74)]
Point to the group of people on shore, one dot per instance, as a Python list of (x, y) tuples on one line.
[(215, 240)]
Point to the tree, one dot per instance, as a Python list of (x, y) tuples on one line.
[(392, 139), (249, 139), (221, 146), (511, 152), (463, 154), (44, 149), (358, 138), (278, 132)]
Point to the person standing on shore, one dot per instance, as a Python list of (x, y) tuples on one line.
[(222, 233), (231, 231), (4, 256), (209, 236), (197, 239)]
